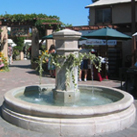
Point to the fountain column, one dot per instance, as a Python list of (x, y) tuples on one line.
[(66, 43)]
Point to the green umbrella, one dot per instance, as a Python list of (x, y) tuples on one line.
[(51, 37), (107, 34), (48, 37)]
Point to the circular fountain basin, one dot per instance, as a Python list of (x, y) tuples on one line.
[(70, 120)]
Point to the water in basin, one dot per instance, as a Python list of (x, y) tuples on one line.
[(87, 98)]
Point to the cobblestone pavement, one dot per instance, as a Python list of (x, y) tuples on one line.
[(21, 74)]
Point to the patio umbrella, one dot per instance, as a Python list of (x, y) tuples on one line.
[(135, 34), (51, 37), (48, 37), (107, 34)]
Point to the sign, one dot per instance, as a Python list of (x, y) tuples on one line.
[(20, 30), (98, 42)]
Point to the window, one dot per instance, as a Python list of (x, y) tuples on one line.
[(103, 15)]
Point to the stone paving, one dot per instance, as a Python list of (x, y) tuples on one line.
[(21, 74)]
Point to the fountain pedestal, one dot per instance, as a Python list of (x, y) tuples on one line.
[(66, 89), (66, 97)]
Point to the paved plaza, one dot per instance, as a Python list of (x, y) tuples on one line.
[(21, 74)]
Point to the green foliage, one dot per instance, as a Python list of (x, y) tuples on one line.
[(67, 25), (35, 19), (69, 62), (41, 30), (16, 51), (38, 20), (43, 47), (19, 41), (3, 60)]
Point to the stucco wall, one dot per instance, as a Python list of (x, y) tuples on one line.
[(121, 13), (92, 16), (49, 42)]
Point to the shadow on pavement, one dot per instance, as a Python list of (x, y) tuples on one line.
[(32, 71), (21, 66)]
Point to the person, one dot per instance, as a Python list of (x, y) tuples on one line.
[(51, 67), (94, 72), (84, 64), (10, 52), (24, 52), (29, 51)]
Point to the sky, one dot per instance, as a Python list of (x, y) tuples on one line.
[(69, 11)]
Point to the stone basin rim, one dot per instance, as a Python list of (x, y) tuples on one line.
[(27, 107)]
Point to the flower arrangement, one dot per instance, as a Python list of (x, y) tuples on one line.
[(68, 62), (3, 63)]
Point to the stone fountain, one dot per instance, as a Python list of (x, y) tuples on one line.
[(66, 43), (65, 120)]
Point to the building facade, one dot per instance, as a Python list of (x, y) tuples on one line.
[(118, 12), (122, 14)]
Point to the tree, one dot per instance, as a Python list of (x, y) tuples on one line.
[(19, 41)]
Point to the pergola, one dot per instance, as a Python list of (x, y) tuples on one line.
[(20, 28)]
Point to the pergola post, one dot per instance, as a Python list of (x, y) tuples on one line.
[(35, 46), (4, 41)]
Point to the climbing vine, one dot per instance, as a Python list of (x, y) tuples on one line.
[(68, 62), (38, 20)]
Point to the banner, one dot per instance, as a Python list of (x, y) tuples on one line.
[(98, 42)]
